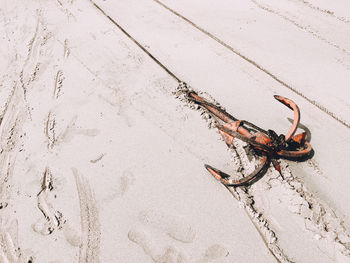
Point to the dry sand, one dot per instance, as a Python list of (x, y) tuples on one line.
[(101, 162)]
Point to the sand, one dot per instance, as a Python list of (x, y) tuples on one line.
[(102, 162)]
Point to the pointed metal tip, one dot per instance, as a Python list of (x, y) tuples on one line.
[(207, 166), (216, 172), (278, 97), (211, 169)]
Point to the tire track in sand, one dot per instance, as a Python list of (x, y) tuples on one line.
[(90, 225), (324, 11), (249, 60), (12, 120), (305, 28)]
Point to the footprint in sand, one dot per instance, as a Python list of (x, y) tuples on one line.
[(213, 253), (174, 226), (177, 229), (166, 254), (52, 219), (121, 186)]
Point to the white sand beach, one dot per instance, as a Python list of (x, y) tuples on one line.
[(102, 162)]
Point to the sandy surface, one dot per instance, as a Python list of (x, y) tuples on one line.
[(101, 162)]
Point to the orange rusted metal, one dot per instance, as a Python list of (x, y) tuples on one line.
[(267, 144), (297, 153), (290, 104), (224, 178)]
